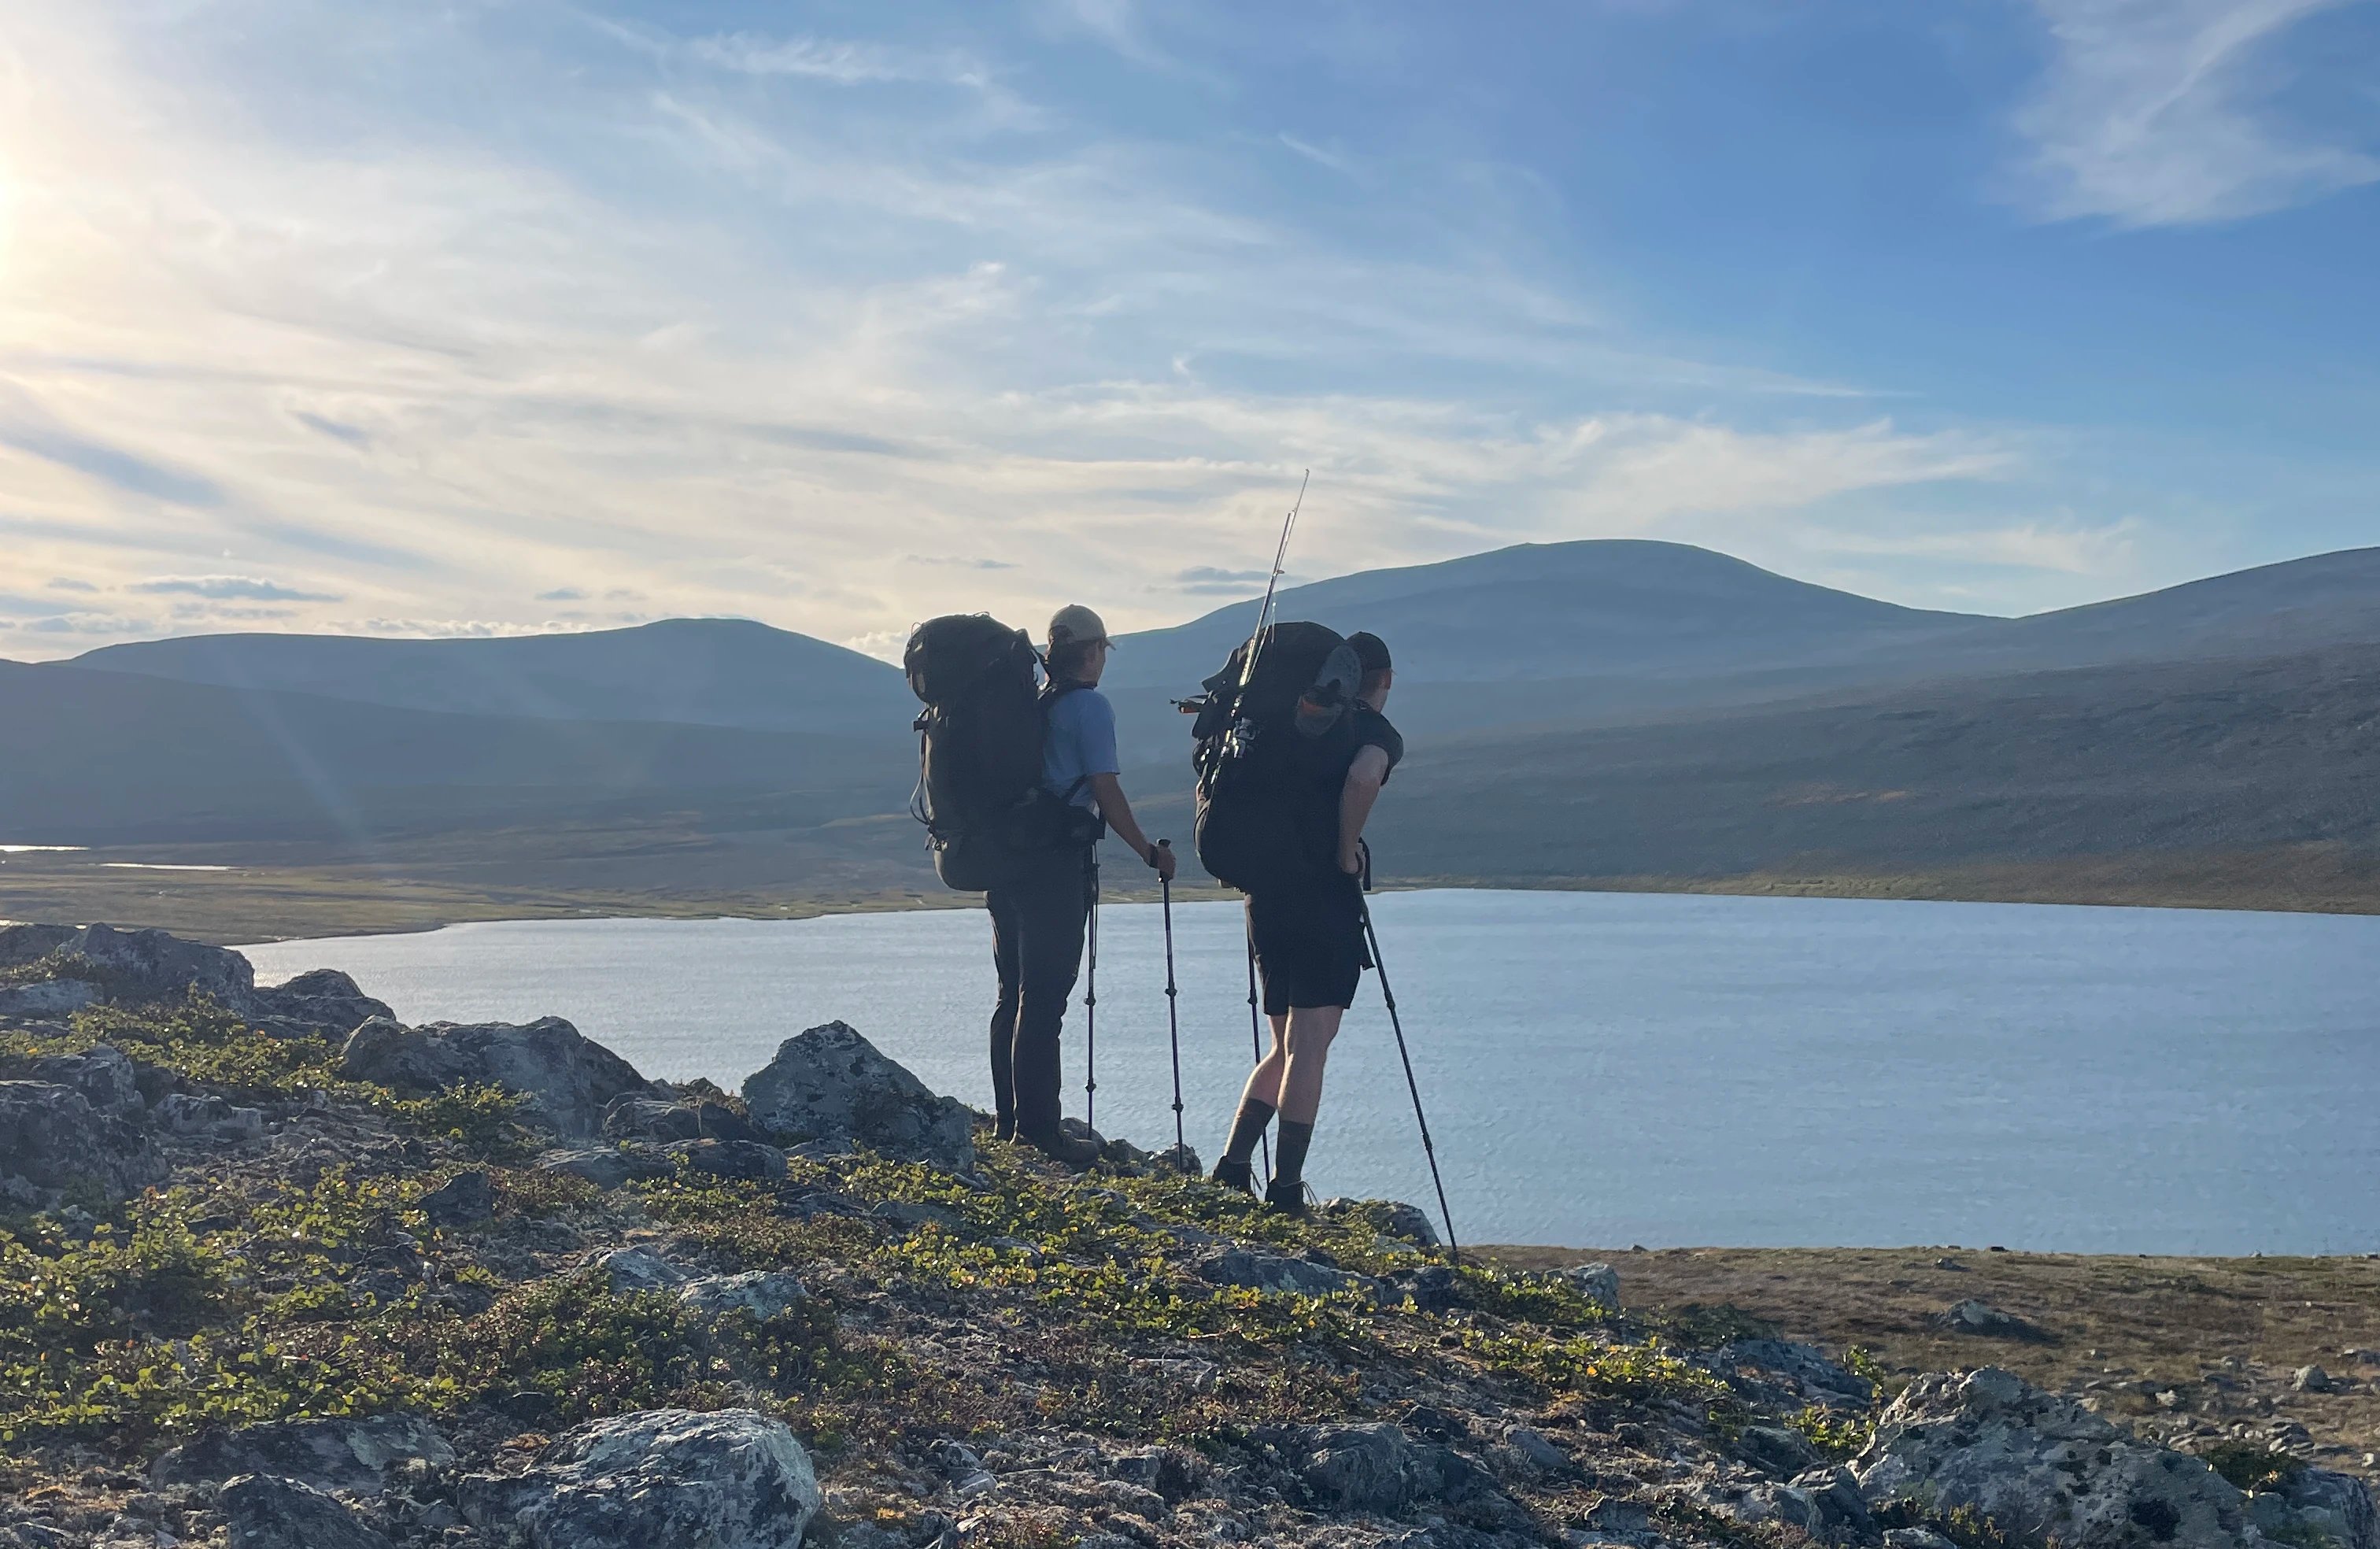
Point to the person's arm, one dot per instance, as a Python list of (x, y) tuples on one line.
[(1364, 777), (1108, 791)]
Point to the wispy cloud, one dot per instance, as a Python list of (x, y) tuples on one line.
[(252, 589), (2163, 113)]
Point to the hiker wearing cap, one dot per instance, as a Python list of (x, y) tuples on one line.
[(1308, 939), (1039, 910)]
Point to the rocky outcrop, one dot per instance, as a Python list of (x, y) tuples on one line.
[(761, 1293), (1598, 1283), (353, 1454), (730, 1480), (53, 1141), (1259, 1271), (323, 1001), (1982, 1318), (132, 966), (1377, 1467), (831, 1087), (566, 1081), (263, 1512), (606, 1167), (1781, 1374), (638, 1116), (2043, 1466), (85, 964)]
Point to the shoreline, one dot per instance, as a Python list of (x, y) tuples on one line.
[(260, 903)]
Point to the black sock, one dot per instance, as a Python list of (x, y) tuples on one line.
[(1247, 1129), (1289, 1155)]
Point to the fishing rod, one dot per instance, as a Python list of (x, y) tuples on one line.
[(1280, 558)]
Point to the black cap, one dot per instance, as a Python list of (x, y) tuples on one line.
[(1371, 651)]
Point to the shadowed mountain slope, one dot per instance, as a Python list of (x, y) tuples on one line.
[(717, 672), (101, 757)]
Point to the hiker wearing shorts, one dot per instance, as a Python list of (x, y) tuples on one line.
[(1309, 938), (1039, 911)]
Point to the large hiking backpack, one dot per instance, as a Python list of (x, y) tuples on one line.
[(979, 741), (1267, 748)]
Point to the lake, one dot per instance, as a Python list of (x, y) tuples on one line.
[(1609, 1069)]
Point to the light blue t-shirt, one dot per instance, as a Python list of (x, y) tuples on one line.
[(1081, 741)]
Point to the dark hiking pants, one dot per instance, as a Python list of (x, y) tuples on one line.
[(1037, 944)]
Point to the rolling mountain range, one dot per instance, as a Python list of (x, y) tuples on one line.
[(1573, 710)]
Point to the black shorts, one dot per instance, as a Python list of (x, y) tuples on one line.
[(1309, 943)]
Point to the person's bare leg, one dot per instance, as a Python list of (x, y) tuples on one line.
[(1311, 1029), (1307, 1038)]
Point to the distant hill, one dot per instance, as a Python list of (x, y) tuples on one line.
[(103, 757), (1539, 612), (711, 671)]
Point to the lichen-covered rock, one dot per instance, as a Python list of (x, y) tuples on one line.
[(638, 1116), (330, 1454), (753, 1160), (1598, 1283), (1259, 1271), (323, 1001), (183, 1113), (1984, 1320), (1781, 1374), (764, 1293), (108, 1080), (630, 1270), (606, 1166), (48, 999), (464, 1200), (2043, 1466), (51, 1139), (133, 965), (265, 1512), (564, 1081), (730, 1480), (831, 1086), (1377, 1467)]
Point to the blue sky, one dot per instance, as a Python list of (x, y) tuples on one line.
[(488, 317)]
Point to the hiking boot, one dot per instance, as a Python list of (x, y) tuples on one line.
[(1004, 1128), (1241, 1175), (1287, 1196), (1067, 1150)]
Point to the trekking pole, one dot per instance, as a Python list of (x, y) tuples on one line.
[(1173, 1019), (1256, 1040), (1372, 938), (1091, 1009)]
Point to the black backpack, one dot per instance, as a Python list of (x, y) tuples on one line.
[(979, 743), (1268, 754)]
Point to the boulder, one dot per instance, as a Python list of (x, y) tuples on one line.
[(564, 1079), (640, 1118), (1748, 1502), (132, 966), (354, 1455), (730, 1480), (183, 1113), (629, 1269), (1259, 1271), (1407, 1224), (47, 999), (764, 1293), (829, 1085), (51, 1137), (1779, 1374), (1981, 1318), (464, 1200), (323, 1001), (107, 1080), (264, 1512), (1597, 1283), (1377, 1467), (751, 1160), (606, 1166), (2043, 1466)]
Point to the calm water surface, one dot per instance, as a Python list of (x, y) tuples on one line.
[(1606, 1069)]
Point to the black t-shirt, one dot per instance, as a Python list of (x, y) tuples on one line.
[(1373, 730), (1321, 776)]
